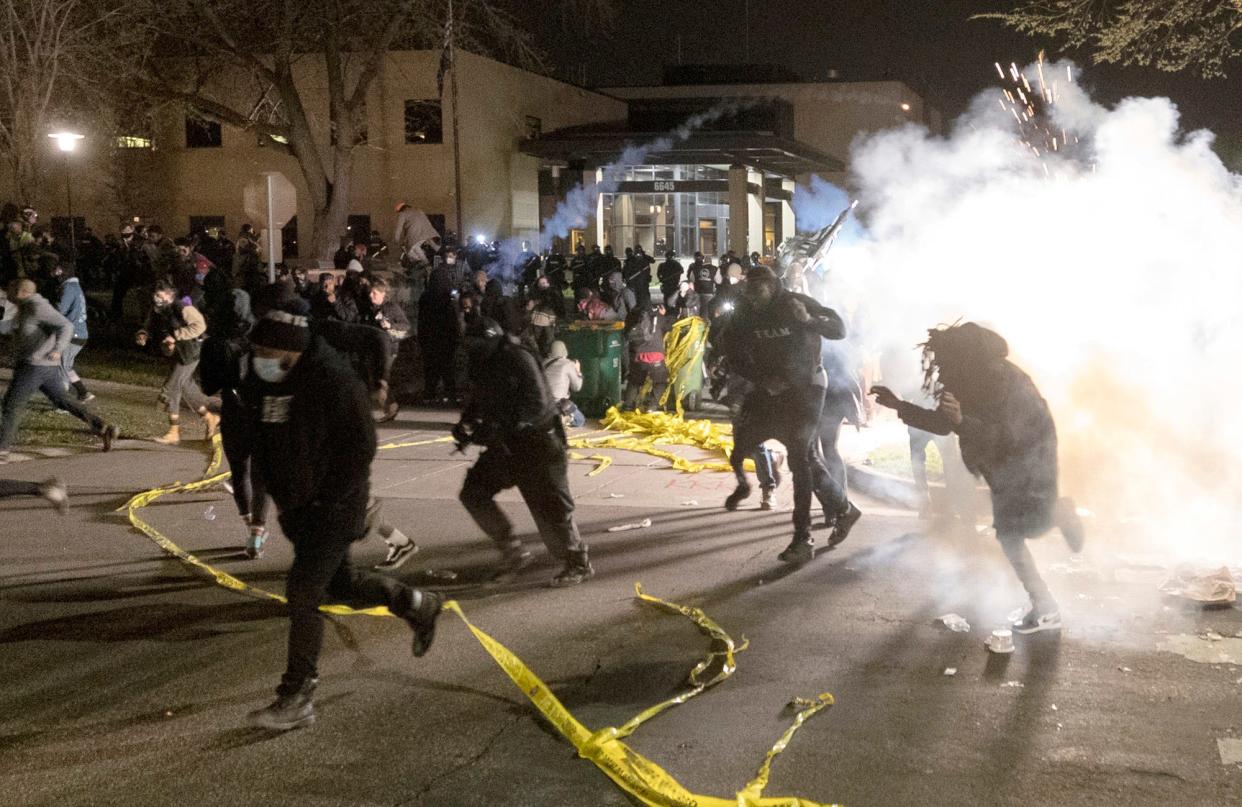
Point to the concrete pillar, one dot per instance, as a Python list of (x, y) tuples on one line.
[(740, 214), (754, 204), (595, 224), (788, 225)]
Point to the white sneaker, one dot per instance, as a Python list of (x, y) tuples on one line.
[(56, 494), (1034, 624), (397, 555)]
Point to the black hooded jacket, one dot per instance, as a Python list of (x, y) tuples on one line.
[(314, 440), (779, 344)]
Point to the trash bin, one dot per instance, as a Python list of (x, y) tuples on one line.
[(598, 347)]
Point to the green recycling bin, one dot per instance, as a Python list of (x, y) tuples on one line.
[(598, 347)]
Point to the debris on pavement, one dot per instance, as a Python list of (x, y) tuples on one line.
[(637, 525), (440, 574), (1013, 685), (1215, 587), (950, 671), (1000, 642), (690, 503), (210, 513), (955, 623), (1202, 649), (615, 496)]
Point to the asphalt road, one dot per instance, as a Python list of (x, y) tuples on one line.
[(126, 680)]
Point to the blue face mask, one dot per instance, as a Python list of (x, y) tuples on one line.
[(270, 370)]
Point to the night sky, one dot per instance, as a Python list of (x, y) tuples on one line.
[(932, 45)]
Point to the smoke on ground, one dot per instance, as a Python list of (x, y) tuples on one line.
[(1115, 276)]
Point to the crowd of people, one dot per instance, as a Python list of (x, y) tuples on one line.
[(276, 366)]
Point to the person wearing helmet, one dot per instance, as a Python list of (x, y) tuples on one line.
[(773, 342), (669, 274), (512, 414)]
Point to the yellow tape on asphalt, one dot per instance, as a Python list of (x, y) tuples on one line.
[(602, 462), (635, 774), (648, 430)]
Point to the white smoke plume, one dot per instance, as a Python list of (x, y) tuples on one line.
[(1116, 277)]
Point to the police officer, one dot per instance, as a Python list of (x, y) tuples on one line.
[(669, 273), (773, 341), (703, 275), (512, 415)]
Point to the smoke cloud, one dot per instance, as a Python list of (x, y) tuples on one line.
[(1113, 273)]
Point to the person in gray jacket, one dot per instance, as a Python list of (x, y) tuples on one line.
[(40, 336)]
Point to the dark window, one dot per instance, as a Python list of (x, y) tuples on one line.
[(534, 127), (289, 239), (360, 228), (202, 134), (423, 122), (200, 224)]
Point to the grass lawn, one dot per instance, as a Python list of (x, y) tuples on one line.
[(894, 459)]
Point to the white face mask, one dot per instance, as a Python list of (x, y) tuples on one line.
[(269, 370)]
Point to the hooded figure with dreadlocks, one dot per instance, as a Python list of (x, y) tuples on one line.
[(1008, 437)]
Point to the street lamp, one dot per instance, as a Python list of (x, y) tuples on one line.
[(67, 142)]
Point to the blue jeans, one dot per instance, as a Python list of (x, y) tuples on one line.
[(27, 380), (68, 375)]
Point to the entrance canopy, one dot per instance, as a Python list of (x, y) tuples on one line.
[(763, 151)]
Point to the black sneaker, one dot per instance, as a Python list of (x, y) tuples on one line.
[(736, 497), (286, 712), (576, 571), (1032, 623), (798, 552), (397, 555), (110, 435), (513, 560), (845, 522), (423, 622)]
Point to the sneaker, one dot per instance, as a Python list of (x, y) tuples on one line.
[(87, 398), (391, 410), (1034, 624), (397, 555), (110, 435), (766, 500), (286, 712), (422, 621), (513, 560), (56, 494), (845, 522), (735, 498), (255, 542), (576, 571), (798, 552)]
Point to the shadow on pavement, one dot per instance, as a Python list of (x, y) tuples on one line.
[(167, 622)]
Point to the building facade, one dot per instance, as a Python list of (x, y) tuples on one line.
[(526, 141)]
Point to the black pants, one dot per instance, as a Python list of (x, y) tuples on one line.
[(321, 569), (792, 417), (538, 467), (640, 372), (439, 367), (249, 491), (12, 487), (119, 289)]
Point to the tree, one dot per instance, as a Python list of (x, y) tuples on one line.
[(47, 48), (1171, 35), (246, 63)]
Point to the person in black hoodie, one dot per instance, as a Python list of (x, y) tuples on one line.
[(299, 389), (511, 413), (773, 341), (646, 347), (1008, 437), (439, 334)]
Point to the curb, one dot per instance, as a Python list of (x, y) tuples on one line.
[(887, 488)]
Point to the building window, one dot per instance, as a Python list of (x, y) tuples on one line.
[(202, 134), (133, 142), (534, 127), (267, 140), (707, 236), (201, 224), (771, 227), (423, 122)]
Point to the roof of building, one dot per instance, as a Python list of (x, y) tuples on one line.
[(765, 151)]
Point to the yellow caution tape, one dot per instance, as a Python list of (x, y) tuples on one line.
[(684, 346), (648, 430), (389, 446), (602, 462), (633, 773)]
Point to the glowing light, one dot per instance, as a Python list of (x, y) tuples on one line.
[(905, 107), (66, 141)]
